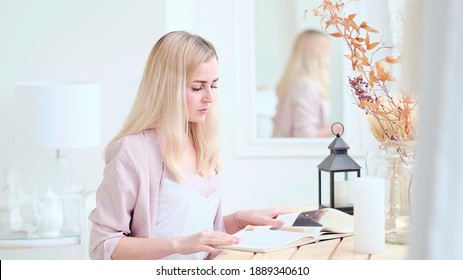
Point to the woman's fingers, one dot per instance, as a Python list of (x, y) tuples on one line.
[(204, 242), (214, 238), (217, 238), (280, 211)]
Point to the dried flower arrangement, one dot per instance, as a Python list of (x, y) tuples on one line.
[(392, 116)]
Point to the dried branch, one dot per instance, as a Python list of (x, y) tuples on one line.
[(392, 116)]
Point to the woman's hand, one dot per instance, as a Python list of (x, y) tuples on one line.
[(260, 217), (203, 242)]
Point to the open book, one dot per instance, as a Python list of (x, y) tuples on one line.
[(300, 228)]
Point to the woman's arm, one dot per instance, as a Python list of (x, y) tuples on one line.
[(113, 219), (159, 247), (258, 217)]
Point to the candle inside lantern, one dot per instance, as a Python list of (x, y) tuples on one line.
[(341, 191), (369, 218)]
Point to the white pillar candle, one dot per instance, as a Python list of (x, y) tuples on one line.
[(369, 215), (341, 193)]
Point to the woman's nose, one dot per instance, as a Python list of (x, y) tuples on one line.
[(208, 96)]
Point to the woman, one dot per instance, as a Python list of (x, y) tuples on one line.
[(303, 97), (160, 195)]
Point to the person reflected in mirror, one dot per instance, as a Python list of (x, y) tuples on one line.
[(303, 90), (160, 195)]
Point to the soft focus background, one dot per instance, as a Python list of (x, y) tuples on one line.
[(109, 40)]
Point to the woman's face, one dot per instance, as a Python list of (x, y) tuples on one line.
[(201, 90)]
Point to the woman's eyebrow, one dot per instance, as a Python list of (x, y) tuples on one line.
[(204, 82)]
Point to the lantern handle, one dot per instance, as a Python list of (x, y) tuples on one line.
[(339, 131)]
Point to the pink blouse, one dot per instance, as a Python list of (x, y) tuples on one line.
[(301, 112), (127, 198)]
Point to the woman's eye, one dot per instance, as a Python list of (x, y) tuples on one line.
[(214, 86), (196, 88)]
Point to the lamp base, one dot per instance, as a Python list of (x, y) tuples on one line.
[(59, 175)]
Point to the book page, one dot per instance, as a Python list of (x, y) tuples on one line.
[(337, 221), (266, 239)]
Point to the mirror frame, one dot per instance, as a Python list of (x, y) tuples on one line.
[(247, 142)]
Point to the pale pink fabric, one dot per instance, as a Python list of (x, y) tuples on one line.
[(127, 198), (188, 208), (301, 112)]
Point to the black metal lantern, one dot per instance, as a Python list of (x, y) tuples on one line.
[(337, 168)]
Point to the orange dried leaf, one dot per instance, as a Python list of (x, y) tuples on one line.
[(380, 66), (372, 45), (370, 29), (334, 10), (361, 49), (366, 104), (405, 112), (358, 53), (351, 16), (336, 34), (354, 41), (385, 76), (390, 77), (354, 25), (372, 79), (365, 60), (392, 60), (384, 113), (345, 24), (372, 76), (332, 21)]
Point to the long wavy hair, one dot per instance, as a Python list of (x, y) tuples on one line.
[(309, 58), (161, 103)]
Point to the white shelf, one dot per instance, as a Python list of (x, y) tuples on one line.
[(38, 242)]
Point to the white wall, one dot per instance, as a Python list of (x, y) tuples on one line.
[(72, 40)]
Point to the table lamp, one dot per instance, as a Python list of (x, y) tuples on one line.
[(66, 115)]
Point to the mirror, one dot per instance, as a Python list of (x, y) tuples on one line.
[(277, 23), (247, 141)]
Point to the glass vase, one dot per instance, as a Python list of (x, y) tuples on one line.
[(394, 161)]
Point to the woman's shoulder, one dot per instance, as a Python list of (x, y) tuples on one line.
[(302, 88), (304, 83), (136, 138), (134, 143)]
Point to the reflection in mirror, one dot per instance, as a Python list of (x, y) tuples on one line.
[(302, 91), (277, 25)]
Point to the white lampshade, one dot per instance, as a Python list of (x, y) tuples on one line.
[(66, 114)]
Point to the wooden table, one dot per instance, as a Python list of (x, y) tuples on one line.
[(334, 249)]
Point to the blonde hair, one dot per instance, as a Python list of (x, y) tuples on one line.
[(161, 103), (309, 58)]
